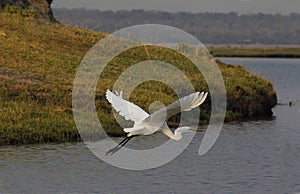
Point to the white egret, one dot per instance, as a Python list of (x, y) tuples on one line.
[(145, 124)]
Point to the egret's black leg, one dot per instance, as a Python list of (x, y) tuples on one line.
[(116, 148), (119, 146), (125, 139)]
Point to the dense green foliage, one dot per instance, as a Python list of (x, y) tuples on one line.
[(209, 28)]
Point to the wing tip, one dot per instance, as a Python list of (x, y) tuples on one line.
[(200, 99), (108, 95)]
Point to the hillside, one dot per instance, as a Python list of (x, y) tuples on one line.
[(38, 63)]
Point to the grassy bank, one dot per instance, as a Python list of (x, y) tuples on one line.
[(252, 51), (38, 63)]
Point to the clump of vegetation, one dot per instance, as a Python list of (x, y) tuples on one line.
[(249, 96), (249, 51), (39, 61), (15, 10)]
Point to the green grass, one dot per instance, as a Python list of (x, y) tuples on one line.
[(252, 51), (38, 63)]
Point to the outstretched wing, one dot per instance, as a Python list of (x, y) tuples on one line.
[(125, 108), (186, 103)]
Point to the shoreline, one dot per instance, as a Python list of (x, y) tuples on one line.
[(253, 45), (247, 51)]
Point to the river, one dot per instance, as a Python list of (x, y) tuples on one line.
[(249, 157)]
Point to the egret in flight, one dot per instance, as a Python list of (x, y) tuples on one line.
[(145, 124)]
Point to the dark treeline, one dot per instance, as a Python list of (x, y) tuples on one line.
[(210, 28)]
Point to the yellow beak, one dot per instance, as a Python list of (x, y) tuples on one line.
[(197, 130)]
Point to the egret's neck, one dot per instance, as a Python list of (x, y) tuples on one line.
[(175, 136)]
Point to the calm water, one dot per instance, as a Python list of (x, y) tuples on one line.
[(251, 157)]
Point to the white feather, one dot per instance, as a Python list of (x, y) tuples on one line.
[(126, 109)]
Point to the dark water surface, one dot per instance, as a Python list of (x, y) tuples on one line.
[(250, 157)]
